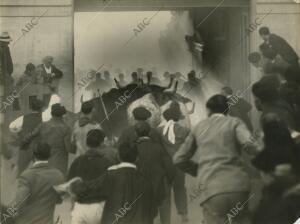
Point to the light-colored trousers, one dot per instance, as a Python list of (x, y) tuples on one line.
[(87, 213)]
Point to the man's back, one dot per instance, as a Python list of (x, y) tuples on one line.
[(127, 193), (218, 139), (30, 122), (283, 110), (156, 165), (91, 165), (134, 195), (282, 47), (57, 134), (53, 132), (36, 196)]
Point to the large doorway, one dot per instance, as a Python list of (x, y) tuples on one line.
[(104, 46), (222, 29)]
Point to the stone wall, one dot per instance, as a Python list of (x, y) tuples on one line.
[(39, 28), (283, 19)]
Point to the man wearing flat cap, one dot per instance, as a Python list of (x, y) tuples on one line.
[(6, 64), (140, 114)]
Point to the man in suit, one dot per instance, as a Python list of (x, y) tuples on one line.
[(57, 134), (279, 45), (36, 199), (49, 75), (268, 100), (6, 63), (89, 166), (219, 165), (156, 165), (24, 125)]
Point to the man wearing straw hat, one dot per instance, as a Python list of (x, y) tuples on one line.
[(6, 64)]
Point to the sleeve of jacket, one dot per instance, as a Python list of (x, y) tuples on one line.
[(182, 158), (58, 73), (10, 66), (167, 163), (73, 168), (69, 146), (23, 190), (98, 188), (245, 138), (30, 136), (1, 65)]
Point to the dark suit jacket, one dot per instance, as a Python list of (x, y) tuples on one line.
[(156, 165), (283, 110), (6, 68), (128, 196), (6, 65), (48, 79), (58, 135), (282, 47), (30, 122), (36, 197)]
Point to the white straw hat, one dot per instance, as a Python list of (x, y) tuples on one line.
[(5, 37)]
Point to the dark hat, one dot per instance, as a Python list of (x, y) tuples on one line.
[(218, 104), (264, 30), (128, 152), (30, 67), (254, 57), (141, 113), (173, 112), (58, 110), (36, 105), (95, 137), (87, 107), (42, 151)]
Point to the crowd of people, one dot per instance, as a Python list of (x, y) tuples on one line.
[(106, 83), (130, 181)]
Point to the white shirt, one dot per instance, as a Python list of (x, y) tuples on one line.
[(39, 162), (217, 115), (48, 70), (122, 165)]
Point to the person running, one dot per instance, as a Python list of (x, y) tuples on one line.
[(219, 167)]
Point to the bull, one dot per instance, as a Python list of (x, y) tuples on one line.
[(113, 108)]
